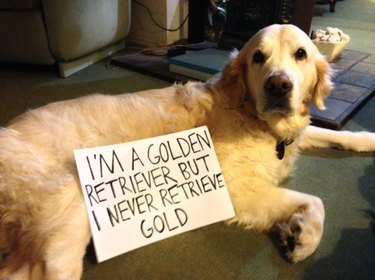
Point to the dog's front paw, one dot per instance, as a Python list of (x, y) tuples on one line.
[(300, 235)]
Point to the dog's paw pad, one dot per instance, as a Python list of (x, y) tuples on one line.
[(289, 234)]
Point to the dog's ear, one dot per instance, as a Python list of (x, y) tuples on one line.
[(323, 85), (232, 80)]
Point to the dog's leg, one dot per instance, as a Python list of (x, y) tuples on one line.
[(298, 217), (28, 272), (22, 274), (316, 137), (300, 234)]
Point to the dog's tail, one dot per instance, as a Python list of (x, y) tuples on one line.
[(15, 251), (11, 259)]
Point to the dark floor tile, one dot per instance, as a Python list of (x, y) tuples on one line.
[(364, 67), (354, 55), (342, 64), (347, 92), (334, 109), (357, 79)]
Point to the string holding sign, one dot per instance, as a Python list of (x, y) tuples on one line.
[(140, 192)]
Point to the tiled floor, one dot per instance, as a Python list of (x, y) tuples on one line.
[(354, 78)]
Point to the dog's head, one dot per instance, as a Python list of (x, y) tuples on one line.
[(280, 71)]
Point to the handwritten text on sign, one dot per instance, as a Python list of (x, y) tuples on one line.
[(140, 192)]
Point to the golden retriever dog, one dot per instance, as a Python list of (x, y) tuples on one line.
[(257, 111)]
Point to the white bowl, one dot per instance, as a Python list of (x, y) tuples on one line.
[(331, 50)]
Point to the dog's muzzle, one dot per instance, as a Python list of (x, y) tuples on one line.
[(278, 90)]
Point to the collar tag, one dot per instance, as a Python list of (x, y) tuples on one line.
[(280, 149)]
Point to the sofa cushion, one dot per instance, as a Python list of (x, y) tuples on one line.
[(19, 4)]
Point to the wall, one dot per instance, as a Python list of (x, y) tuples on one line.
[(168, 13)]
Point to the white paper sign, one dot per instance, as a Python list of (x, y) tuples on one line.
[(140, 192)]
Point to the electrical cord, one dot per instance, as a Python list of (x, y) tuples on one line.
[(156, 23)]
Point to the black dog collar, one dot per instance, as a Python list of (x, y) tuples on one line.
[(280, 148)]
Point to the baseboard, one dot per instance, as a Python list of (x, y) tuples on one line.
[(67, 69)]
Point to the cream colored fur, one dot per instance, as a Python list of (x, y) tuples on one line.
[(44, 228)]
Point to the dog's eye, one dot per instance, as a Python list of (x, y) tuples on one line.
[(258, 57), (300, 54)]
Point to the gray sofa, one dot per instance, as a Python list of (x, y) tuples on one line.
[(69, 33)]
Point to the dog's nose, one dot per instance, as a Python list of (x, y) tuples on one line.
[(278, 85)]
